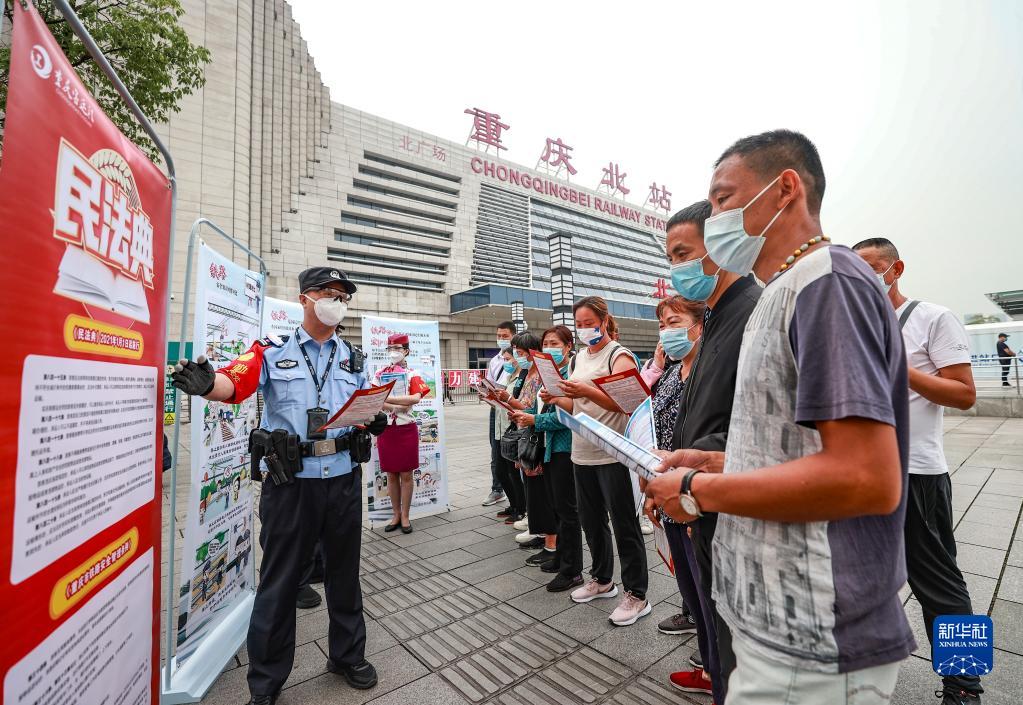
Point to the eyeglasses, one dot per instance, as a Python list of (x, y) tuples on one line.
[(331, 293)]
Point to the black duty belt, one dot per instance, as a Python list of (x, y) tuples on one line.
[(330, 446)]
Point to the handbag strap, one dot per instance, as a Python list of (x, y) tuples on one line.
[(905, 314)]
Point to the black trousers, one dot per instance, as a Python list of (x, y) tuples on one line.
[(313, 571), (294, 518), (703, 542), (539, 508), (934, 576), (559, 483), (604, 490), (495, 455), (511, 482), (1005, 369)]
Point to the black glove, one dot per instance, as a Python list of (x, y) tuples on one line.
[(194, 378), (378, 425)]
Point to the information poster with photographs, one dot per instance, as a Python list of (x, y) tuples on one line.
[(86, 229), (430, 493), (217, 565)]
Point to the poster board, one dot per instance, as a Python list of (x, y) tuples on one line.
[(281, 317), (430, 493), (86, 220), (217, 562)]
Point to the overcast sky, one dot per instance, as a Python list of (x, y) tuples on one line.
[(916, 107)]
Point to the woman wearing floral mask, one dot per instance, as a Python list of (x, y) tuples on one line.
[(398, 445)]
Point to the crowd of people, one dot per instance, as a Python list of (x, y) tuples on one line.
[(797, 397), (802, 481)]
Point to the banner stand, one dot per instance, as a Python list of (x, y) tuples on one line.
[(97, 55), (189, 683)]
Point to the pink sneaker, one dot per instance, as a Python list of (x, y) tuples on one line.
[(691, 681), (629, 610), (593, 590)]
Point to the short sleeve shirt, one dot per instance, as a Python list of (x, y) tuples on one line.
[(934, 338), (822, 344), (414, 384)]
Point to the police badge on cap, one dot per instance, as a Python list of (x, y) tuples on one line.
[(318, 277)]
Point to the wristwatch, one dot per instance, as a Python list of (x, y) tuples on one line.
[(686, 499)]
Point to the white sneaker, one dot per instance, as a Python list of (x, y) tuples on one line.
[(522, 524), (593, 590), (525, 537), (629, 610), (645, 525)]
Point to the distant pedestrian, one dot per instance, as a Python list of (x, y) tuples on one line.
[(1005, 355)]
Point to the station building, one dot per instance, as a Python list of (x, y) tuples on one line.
[(428, 228)]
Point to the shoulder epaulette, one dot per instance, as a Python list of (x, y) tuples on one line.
[(273, 341)]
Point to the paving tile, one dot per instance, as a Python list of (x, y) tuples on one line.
[(496, 529), (1011, 586), (389, 559), (504, 587), (980, 560), (436, 586), (650, 692), (428, 690), (917, 682), (676, 660), (436, 613), (395, 667), (982, 535), (1005, 682), (916, 622), (406, 540), (449, 643), (450, 543), (997, 501), (1015, 557), (483, 674), (982, 590), (388, 578), (581, 622), (1008, 620), (390, 601), (540, 604), (998, 519), (484, 569), (453, 559), (586, 675), (376, 547), (640, 645), (310, 662), (456, 527), (493, 547)]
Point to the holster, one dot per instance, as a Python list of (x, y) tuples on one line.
[(360, 446), (279, 452)]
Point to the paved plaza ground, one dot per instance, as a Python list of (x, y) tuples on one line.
[(454, 616)]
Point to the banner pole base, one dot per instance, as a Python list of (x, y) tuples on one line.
[(190, 682)]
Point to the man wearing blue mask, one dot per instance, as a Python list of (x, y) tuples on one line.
[(497, 375), (705, 409), (808, 552)]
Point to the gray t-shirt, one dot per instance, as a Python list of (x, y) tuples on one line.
[(822, 344)]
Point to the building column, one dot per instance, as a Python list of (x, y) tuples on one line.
[(562, 285)]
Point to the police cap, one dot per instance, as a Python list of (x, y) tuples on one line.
[(318, 277)]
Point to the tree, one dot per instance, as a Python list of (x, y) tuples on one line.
[(144, 43)]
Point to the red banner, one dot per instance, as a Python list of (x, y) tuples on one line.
[(86, 221)]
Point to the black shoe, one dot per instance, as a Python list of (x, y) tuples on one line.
[(695, 661), (361, 676), (539, 558), (954, 695), (563, 582), (533, 543), (392, 527), (514, 517), (551, 566), (263, 700), (506, 512), (307, 598), (406, 529)]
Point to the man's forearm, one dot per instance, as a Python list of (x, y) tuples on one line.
[(814, 488), (942, 391), (223, 388)]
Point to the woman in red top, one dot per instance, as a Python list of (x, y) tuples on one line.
[(398, 445)]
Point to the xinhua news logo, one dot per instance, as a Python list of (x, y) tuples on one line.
[(963, 645)]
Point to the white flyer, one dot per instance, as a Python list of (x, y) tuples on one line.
[(550, 375)]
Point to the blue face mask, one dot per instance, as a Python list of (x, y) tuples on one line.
[(557, 354), (503, 344), (727, 241), (676, 342), (509, 367), (690, 281), (523, 362)]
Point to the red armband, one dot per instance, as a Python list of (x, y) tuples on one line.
[(244, 372), (418, 386)]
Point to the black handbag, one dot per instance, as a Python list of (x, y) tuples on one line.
[(510, 443), (531, 452)]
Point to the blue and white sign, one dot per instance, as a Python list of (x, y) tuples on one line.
[(963, 645)]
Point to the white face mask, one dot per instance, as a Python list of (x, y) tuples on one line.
[(395, 356), (728, 243), (329, 311), (589, 336), (881, 276)]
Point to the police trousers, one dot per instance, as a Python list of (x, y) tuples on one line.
[(294, 518)]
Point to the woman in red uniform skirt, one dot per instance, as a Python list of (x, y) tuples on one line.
[(398, 446)]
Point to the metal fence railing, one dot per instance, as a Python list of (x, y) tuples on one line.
[(997, 377), (458, 386)]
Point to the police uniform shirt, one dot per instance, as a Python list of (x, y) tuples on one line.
[(289, 390)]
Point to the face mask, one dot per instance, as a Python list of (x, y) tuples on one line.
[(690, 281), (329, 311), (727, 241), (509, 367), (880, 278), (557, 354), (589, 336), (524, 363), (395, 356), (676, 342), (503, 344)]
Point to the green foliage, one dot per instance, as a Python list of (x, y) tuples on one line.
[(143, 41)]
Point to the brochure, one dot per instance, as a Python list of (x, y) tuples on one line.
[(360, 408), (626, 389), (550, 375)]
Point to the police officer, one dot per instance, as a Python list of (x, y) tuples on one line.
[(312, 490)]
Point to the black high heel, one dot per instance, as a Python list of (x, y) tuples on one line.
[(391, 527)]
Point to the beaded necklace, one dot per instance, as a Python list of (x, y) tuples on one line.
[(803, 248)]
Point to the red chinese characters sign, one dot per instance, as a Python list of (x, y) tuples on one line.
[(86, 218)]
